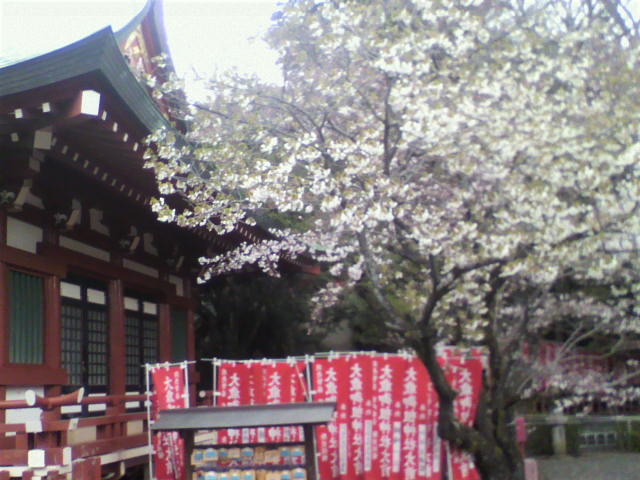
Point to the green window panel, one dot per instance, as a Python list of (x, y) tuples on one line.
[(26, 321)]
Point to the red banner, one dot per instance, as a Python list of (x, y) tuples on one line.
[(169, 386), (236, 386), (464, 374), (330, 384), (282, 383), (385, 422), (261, 383)]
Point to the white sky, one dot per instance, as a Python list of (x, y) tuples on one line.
[(203, 34)]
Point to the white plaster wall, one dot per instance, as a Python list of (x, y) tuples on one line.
[(140, 268), (23, 235), (84, 248)]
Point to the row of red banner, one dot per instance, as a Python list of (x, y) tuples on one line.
[(385, 425)]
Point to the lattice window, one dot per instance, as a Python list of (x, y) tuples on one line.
[(132, 349), (141, 338), (85, 334), (71, 343), (97, 342)]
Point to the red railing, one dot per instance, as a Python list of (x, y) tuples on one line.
[(60, 445)]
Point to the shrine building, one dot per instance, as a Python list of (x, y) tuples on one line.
[(92, 286)]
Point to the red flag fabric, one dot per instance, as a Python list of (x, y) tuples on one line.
[(169, 385), (465, 376), (330, 384), (385, 425), (281, 383), (236, 387), (260, 383)]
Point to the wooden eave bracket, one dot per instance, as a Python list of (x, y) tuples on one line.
[(84, 106)]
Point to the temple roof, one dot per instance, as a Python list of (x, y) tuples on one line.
[(97, 55), (85, 104), (118, 58)]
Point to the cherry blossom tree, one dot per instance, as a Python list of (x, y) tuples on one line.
[(471, 164)]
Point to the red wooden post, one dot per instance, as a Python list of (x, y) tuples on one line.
[(116, 339), (3, 390), (3, 226), (52, 353), (4, 310), (28, 475), (4, 475), (94, 469), (79, 469)]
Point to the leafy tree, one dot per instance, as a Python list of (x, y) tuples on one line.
[(460, 161), (254, 316)]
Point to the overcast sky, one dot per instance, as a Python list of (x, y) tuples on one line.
[(202, 34)]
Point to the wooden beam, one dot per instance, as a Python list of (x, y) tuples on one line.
[(37, 375), (29, 261), (72, 259)]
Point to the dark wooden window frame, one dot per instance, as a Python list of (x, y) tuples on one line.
[(142, 341), (94, 343)]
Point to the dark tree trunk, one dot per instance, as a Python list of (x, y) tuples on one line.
[(492, 443), (491, 440)]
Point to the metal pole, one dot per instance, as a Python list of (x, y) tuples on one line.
[(214, 386), (185, 365), (149, 421)]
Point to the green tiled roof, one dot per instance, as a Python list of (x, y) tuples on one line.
[(96, 54)]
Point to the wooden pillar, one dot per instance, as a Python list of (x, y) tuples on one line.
[(191, 355), (187, 436), (310, 452), (4, 314), (4, 307), (52, 324), (117, 380), (3, 226), (164, 332), (3, 396)]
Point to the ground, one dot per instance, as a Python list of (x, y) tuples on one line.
[(591, 466)]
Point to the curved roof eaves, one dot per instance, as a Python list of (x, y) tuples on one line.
[(123, 33), (96, 53)]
